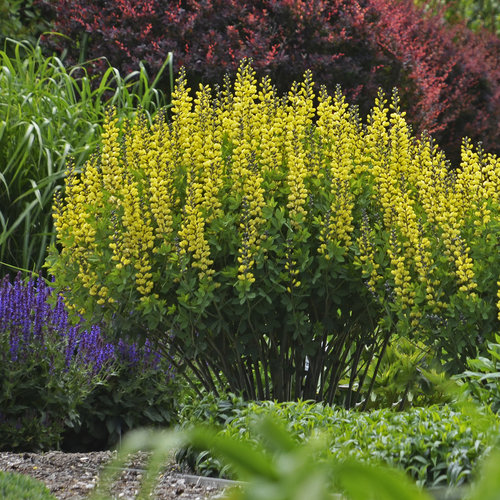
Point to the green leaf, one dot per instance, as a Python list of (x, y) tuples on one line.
[(361, 481), (249, 461)]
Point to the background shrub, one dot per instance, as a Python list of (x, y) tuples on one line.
[(478, 14), (22, 20), (447, 76), (276, 246), (50, 113)]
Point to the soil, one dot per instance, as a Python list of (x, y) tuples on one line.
[(74, 476)]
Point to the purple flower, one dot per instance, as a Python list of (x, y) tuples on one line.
[(31, 324), (14, 346), (70, 346)]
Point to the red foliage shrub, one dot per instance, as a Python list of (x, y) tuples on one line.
[(448, 77)]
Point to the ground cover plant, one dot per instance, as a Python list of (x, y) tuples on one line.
[(277, 245), (280, 468), (447, 76), (50, 112), (20, 487), (58, 380), (438, 445)]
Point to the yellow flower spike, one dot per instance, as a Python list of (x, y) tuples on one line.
[(225, 159)]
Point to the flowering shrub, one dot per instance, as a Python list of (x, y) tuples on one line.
[(280, 243), (50, 370), (448, 77)]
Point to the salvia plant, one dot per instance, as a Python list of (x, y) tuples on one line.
[(277, 244), (48, 366), (51, 365), (141, 390)]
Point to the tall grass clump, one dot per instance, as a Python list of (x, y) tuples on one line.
[(49, 113), (277, 244)]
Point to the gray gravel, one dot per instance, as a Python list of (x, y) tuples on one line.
[(74, 476)]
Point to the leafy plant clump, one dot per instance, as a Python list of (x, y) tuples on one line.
[(276, 245), (436, 446), (447, 76), (49, 113), (279, 467), (20, 487), (482, 379), (53, 375)]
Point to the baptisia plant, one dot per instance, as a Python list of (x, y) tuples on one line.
[(276, 244)]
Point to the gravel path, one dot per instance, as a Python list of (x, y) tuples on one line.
[(74, 475)]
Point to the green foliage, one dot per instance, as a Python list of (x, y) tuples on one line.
[(21, 20), (37, 405), (436, 446), (482, 380), (131, 397), (49, 114), (211, 411), (478, 14), (277, 467), (407, 376), (20, 487)]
